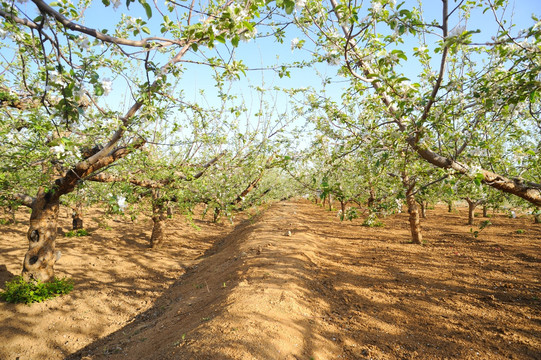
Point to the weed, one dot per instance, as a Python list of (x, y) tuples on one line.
[(483, 226), (20, 291), (521, 231), (77, 233)]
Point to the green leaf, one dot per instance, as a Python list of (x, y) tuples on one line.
[(106, 2), (194, 46), (148, 9), (146, 30), (289, 6)]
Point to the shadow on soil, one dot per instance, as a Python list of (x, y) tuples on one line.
[(368, 296)]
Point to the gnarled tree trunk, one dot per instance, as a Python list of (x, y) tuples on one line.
[(41, 256)]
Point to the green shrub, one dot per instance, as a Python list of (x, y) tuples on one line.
[(80, 232), (20, 291)]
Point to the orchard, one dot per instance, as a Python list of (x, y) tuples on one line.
[(198, 173)]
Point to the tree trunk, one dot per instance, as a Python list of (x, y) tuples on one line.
[(330, 202), (537, 216), (413, 210), (471, 208), (158, 218), (415, 223), (424, 205), (10, 211), (485, 211), (450, 206), (343, 209), (77, 217), (371, 198), (40, 258), (216, 215)]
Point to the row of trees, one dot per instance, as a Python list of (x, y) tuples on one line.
[(428, 106)]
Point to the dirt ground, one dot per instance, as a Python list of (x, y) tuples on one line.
[(290, 282)]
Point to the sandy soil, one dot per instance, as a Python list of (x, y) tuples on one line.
[(290, 283)]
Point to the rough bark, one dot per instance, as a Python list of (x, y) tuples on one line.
[(529, 191), (472, 204), (158, 219), (77, 217), (424, 205), (415, 223), (413, 210), (41, 256)]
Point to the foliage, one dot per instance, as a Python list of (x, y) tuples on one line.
[(373, 221), (19, 291), (484, 225), (77, 233)]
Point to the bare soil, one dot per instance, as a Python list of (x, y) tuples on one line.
[(291, 282)]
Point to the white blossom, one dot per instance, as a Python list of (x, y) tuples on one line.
[(121, 201), (116, 4), (3, 34), (107, 86), (294, 43), (300, 4), (58, 149), (56, 78), (248, 35), (85, 43), (376, 7), (473, 171)]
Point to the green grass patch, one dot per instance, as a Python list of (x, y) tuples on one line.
[(77, 233), (19, 291)]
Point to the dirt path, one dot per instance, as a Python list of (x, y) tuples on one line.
[(295, 283)]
